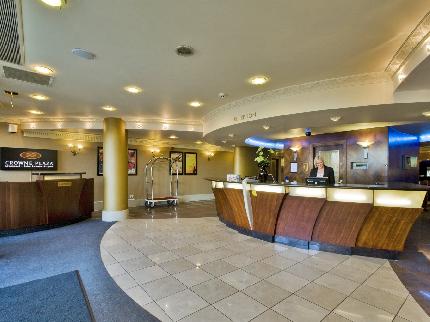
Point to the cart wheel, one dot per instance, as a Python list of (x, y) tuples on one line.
[(152, 204), (175, 202), (146, 203), (169, 202)]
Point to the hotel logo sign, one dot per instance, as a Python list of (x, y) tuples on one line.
[(27, 159), (245, 117)]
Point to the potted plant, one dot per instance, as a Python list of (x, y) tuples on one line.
[(263, 162)]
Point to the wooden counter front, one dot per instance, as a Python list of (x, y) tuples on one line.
[(32, 204)]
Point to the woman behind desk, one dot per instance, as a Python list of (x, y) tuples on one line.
[(321, 170)]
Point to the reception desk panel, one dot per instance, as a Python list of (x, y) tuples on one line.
[(387, 228), (297, 217), (265, 210), (236, 207), (221, 204), (340, 222)]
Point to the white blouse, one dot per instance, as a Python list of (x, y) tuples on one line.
[(320, 173)]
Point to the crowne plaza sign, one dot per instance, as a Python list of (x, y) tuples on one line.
[(27, 159)]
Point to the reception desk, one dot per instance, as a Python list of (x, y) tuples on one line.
[(353, 219), (26, 205)]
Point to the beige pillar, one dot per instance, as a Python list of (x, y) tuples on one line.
[(244, 163), (115, 170)]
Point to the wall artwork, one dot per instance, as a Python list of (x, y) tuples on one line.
[(177, 163), (409, 162), (132, 161), (190, 163)]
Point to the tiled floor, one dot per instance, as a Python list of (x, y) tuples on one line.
[(184, 264)]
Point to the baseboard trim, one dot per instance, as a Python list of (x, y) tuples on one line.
[(114, 215)]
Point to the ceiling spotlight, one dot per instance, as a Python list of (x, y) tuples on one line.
[(83, 53), (39, 97), (266, 127), (133, 89), (195, 104), (43, 70), (224, 141), (11, 95), (109, 108), (55, 3), (231, 135), (258, 80), (335, 118), (198, 142), (173, 137), (427, 113), (184, 51), (222, 95), (36, 112), (401, 77), (165, 126), (233, 145)]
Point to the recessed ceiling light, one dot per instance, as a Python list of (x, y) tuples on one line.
[(36, 112), (231, 135), (39, 97), (195, 104), (109, 108), (54, 3), (165, 126), (198, 142), (184, 50), (266, 127), (233, 145), (401, 77), (173, 137), (224, 141), (335, 118), (427, 113), (43, 70), (83, 53), (258, 80), (133, 89)]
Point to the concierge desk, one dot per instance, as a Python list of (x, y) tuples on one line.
[(372, 220), (27, 205)]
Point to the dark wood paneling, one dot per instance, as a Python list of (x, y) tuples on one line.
[(62, 202), (265, 210), (237, 207), (4, 206), (387, 228), (340, 222), (297, 216), (220, 202), (86, 201)]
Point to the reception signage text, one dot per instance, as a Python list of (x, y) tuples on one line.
[(27, 159)]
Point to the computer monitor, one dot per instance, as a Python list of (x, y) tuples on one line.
[(317, 181)]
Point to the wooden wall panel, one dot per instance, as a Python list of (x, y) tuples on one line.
[(340, 222), (237, 205), (4, 206), (297, 217), (265, 210), (86, 201), (220, 200), (387, 228)]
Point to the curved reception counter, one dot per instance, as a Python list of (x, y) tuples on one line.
[(349, 219)]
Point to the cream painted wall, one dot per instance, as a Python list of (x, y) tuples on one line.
[(218, 166)]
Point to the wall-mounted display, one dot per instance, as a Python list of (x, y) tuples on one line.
[(177, 163), (409, 162), (359, 165), (27, 159), (190, 163), (132, 161)]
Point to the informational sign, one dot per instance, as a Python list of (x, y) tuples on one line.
[(27, 159)]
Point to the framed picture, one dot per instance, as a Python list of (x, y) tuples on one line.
[(409, 162), (190, 163), (177, 162), (293, 167), (132, 161)]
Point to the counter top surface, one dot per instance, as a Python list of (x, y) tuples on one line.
[(384, 186)]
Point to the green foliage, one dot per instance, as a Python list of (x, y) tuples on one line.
[(263, 156)]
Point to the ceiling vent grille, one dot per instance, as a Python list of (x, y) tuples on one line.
[(10, 28), (26, 76)]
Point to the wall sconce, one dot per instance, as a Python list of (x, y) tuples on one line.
[(365, 145), (154, 151), (75, 149), (210, 155), (295, 149)]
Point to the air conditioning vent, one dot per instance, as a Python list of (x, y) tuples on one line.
[(26, 76), (10, 27)]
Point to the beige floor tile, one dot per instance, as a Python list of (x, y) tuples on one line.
[(181, 304), (362, 263), (115, 269), (139, 295), (270, 316), (148, 274), (152, 249), (337, 283), (379, 298), (163, 287), (240, 308), (387, 284), (400, 319), (307, 272), (279, 262), (200, 258), (333, 317), (156, 311), (123, 256), (351, 273), (321, 295), (412, 311), (294, 254), (210, 245), (177, 266), (240, 260), (125, 281), (137, 263), (163, 257), (320, 263), (186, 251), (193, 277), (298, 309), (107, 258), (266, 293), (355, 310), (287, 281), (218, 268), (214, 290), (208, 314), (260, 252), (239, 279), (261, 270)]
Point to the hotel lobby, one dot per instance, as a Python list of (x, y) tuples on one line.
[(149, 175)]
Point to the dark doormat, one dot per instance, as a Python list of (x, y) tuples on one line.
[(57, 298)]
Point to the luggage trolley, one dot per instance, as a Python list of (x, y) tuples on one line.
[(172, 198)]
